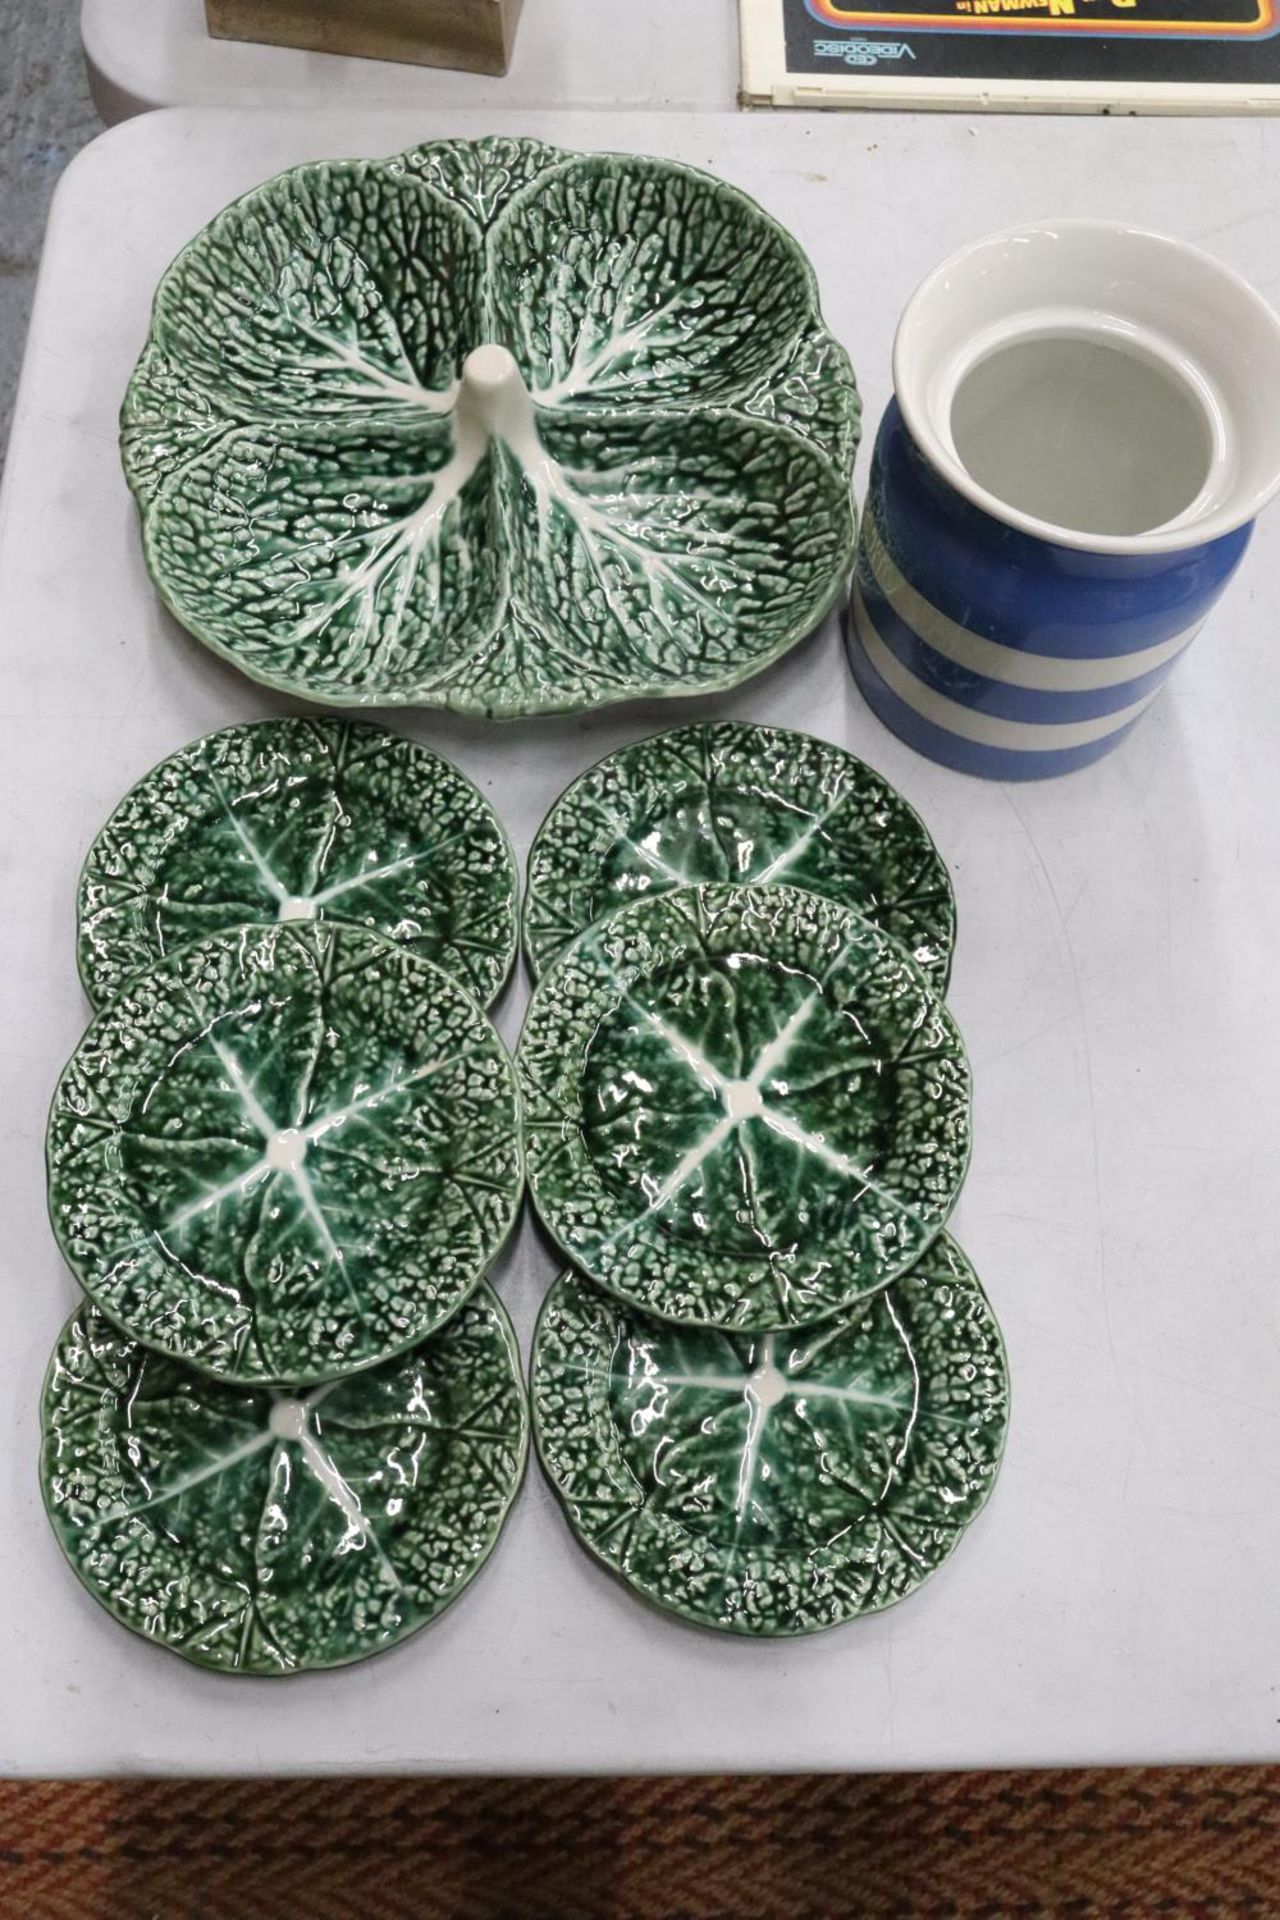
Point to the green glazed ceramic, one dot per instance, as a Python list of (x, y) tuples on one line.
[(742, 804), (494, 427), (744, 1106), (264, 1533), (780, 1483), (300, 820), (285, 1152)]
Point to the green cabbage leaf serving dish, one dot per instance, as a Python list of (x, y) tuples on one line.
[(495, 427)]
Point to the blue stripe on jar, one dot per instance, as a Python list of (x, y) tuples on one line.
[(990, 659), (998, 696), (969, 741), (1024, 592)]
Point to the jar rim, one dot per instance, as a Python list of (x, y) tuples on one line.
[(1159, 298)]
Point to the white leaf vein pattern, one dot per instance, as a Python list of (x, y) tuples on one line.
[(744, 1100)]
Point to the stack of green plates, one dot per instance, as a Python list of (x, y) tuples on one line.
[(770, 1392), (288, 1422)]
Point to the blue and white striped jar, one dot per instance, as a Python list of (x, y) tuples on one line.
[(1086, 421)]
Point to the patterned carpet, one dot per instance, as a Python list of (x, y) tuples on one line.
[(1123, 1845)]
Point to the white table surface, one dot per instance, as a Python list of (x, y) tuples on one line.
[(1115, 979), (568, 53)]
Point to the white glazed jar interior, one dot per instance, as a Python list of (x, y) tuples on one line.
[(1189, 351)]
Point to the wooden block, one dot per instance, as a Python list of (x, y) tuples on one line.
[(476, 35)]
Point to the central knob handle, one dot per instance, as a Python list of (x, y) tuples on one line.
[(494, 404), (490, 368)]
